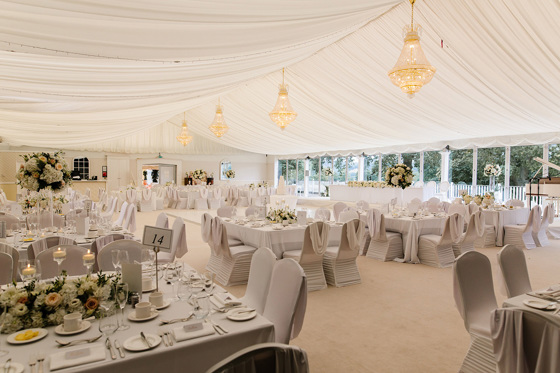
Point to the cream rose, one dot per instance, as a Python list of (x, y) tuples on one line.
[(53, 299)]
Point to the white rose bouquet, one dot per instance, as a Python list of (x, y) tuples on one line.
[(399, 176), (230, 174), (199, 174), (43, 170), (492, 169), (280, 214), (328, 172)]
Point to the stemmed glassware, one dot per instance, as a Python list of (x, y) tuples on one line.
[(121, 296), (2, 323), (208, 278), (201, 306), (119, 257), (173, 274), (107, 322), (59, 255)]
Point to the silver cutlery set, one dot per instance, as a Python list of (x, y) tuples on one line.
[(166, 336), (117, 346), (37, 359)]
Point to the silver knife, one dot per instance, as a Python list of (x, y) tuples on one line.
[(119, 348), (110, 347), (146, 340)]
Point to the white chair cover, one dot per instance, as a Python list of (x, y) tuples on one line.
[(134, 249), (362, 205), (515, 202), (206, 227), (346, 216), (319, 234), (262, 265), (73, 264), (6, 268), (130, 218), (12, 222), (523, 236), (120, 219), (46, 243), (226, 211), (541, 238), (457, 208), (131, 196), (162, 220), (323, 214), (339, 263), (513, 267), (338, 208), (475, 230), (286, 301)]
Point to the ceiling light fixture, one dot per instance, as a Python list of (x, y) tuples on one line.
[(184, 138), (219, 126), (283, 113)]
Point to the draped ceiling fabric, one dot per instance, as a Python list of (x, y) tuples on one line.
[(118, 75)]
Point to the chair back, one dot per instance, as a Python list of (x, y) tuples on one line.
[(323, 214), (452, 230), (134, 249), (534, 220), (337, 209), (14, 253), (475, 227), (179, 239), (43, 220), (286, 300), (351, 239), (473, 290), (547, 217), (251, 210), (347, 215), (162, 221), (12, 222), (120, 219), (265, 357), (514, 270), (226, 211), (444, 186), (206, 227), (315, 242), (434, 201), (362, 205), (456, 208), (130, 218), (472, 208), (414, 205), (515, 203), (73, 264), (6, 268), (373, 221), (262, 264), (46, 243)]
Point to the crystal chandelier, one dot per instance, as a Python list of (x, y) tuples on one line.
[(283, 114), (219, 126), (184, 138), (412, 69)]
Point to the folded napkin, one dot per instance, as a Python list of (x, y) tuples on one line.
[(83, 355), (181, 335), (224, 300)]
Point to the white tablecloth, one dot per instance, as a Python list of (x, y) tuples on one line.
[(289, 238), (194, 355), (505, 217), (374, 195), (411, 230)]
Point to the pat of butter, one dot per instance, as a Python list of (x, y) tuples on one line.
[(193, 326)]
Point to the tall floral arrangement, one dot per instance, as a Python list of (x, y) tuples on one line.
[(328, 172), (399, 176), (492, 169), (199, 174), (44, 170), (230, 174), (40, 304)]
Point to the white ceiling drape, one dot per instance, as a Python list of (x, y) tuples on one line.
[(496, 73)]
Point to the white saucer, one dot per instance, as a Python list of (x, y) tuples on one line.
[(236, 315), (14, 368), (148, 290), (132, 316), (540, 304), (42, 334), (137, 344), (60, 328), (166, 303)]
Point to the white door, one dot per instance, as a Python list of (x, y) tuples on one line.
[(118, 173)]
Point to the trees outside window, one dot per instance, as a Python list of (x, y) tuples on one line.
[(432, 166), (388, 160), (282, 164), (339, 170), (326, 162), (522, 165), (554, 157), (352, 168), (292, 172), (412, 160), (460, 166), (371, 167), (487, 156), (314, 177)]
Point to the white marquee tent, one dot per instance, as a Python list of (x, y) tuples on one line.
[(118, 75)]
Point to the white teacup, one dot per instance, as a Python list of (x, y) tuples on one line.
[(147, 283), (92, 234), (143, 310), (72, 322), (156, 298)]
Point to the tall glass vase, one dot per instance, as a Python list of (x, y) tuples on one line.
[(491, 183)]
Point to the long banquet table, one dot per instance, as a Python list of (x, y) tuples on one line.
[(193, 355), (285, 239), (411, 230), (502, 217), (375, 195)]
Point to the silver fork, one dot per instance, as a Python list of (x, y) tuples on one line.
[(162, 334), (165, 322), (40, 358), (169, 337)]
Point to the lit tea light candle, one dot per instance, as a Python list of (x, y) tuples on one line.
[(59, 253), (89, 256), (28, 271)]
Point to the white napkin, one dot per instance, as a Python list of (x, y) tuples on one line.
[(83, 355), (224, 300), (181, 335)]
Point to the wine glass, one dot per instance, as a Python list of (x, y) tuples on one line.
[(59, 255), (2, 323), (147, 257), (123, 257), (201, 306), (121, 295), (107, 322), (115, 260)]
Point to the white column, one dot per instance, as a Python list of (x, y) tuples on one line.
[(421, 177), (545, 157), (444, 165), (399, 159), (306, 178), (379, 175), (507, 170), (474, 169), (275, 172), (361, 168)]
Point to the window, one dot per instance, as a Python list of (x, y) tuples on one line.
[(300, 175), (432, 166), (352, 168), (313, 184), (339, 170), (460, 166), (412, 160), (387, 160), (487, 156), (292, 172), (326, 162), (282, 168), (522, 165), (81, 165), (554, 157), (371, 168)]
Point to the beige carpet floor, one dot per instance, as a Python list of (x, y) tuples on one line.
[(402, 318)]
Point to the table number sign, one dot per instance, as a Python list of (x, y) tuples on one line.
[(158, 237)]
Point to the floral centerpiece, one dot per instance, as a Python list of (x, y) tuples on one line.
[(328, 172), (368, 184), (40, 304), (492, 169), (399, 176), (477, 199), (41, 200), (278, 215), (488, 199), (43, 170), (230, 174), (199, 174), (262, 184)]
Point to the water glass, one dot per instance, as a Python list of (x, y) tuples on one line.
[(108, 323), (183, 290), (201, 306)]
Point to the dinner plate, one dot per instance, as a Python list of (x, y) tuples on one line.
[(14, 368), (132, 316), (60, 329), (540, 304), (42, 334), (137, 344), (241, 314)]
